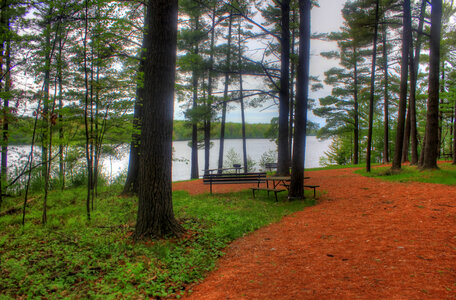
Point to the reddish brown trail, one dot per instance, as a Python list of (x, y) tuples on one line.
[(365, 239)]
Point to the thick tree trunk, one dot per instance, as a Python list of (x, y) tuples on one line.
[(385, 99), (432, 119), (283, 167), (299, 145), (155, 207), (225, 95), (406, 39), (372, 91)]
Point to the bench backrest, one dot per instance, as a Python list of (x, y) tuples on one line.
[(235, 178)]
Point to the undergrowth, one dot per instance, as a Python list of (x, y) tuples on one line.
[(70, 257)]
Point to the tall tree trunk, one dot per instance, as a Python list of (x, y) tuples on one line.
[(385, 99), (208, 119), (283, 162), (292, 92), (372, 91), (88, 138), (6, 114), (432, 118), (405, 142), (415, 62), (356, 111), (454, 134), (299, 145), (60, 114), (132, 181), (45, 124), (194, 174), (2, 50), (441, 138), (406, 39), (225, 95), (155, 207), (241, 96)]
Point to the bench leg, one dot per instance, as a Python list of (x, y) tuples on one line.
[(275, 193), (253, 192), (315, 192)]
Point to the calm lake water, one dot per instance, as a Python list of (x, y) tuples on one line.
[(255, 149), (115, 165)]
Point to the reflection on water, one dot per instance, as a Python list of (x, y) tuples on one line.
[(115, 165), (255, 149)]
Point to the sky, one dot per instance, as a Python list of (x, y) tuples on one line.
[(325, 18)]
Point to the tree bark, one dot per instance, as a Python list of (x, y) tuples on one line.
[(132, 181), (454, 135), (155, 207), (432, 118), (441, 138), (194, 174), (356, 111), (372, 91), (415, 62), (283, 161), (406, 37), (292, 92), (208, 119), (299, 145), (241, 96), (6, 113), (385, 99), (225, 95)]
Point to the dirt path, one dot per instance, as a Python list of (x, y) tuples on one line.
[(365, 239)]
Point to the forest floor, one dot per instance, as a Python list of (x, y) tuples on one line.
[(365, 238)]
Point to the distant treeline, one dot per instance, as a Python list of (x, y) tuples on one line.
[(119, 130), (183, 130)]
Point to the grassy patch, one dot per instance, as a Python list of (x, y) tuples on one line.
[(446, 174), (335, 167), (72, 258)]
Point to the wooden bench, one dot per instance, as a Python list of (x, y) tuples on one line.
[(236, 178), (268, 190)]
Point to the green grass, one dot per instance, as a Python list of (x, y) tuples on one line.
[(446, 174), (335, 167), (72, 258)]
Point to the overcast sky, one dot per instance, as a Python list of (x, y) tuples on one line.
[(325, 18)]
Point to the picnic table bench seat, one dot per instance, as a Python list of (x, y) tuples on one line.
[(314, 187)]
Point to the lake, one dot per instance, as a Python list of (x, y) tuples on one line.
[(114, 165), (255, 149)]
